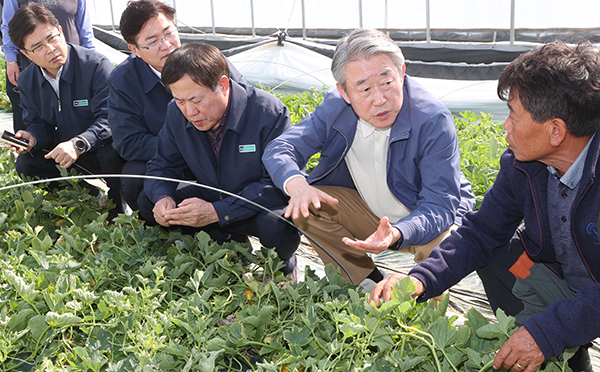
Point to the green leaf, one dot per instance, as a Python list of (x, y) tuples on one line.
[(61, 320), (37, 325), (17, 319), (297, 336)]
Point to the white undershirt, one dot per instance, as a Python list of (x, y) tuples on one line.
[(367, 162), (53, 82)]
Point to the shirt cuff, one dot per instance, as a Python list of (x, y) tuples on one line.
[(288, 180)]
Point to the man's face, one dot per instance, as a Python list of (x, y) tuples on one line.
[(529, 140), (203, 107), (157, 39), (47, 48), (374, 89)]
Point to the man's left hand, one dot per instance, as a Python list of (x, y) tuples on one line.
[(193, 212), (379, 241), (64, 154), (520, 353)]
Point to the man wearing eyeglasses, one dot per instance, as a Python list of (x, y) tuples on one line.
[(63, 94), (137, 103)]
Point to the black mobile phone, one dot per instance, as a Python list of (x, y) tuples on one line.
[(10, 138)]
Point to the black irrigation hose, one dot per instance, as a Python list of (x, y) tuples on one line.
[(193, 183)]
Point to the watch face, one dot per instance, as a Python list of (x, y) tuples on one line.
[(80, 144)]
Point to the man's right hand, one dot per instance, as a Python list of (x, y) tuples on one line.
[(27, 136), (12, 71), (383, 289), (160, 210), (302, 195)]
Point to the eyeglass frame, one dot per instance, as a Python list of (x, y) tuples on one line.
[(43, 44), (159, 42)]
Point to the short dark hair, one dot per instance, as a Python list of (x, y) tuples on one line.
[(557, 81), (26, 19), (137, 13), (203, 63)]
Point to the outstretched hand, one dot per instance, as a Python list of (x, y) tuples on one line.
[(302, 195), (379, 241), (383, 289)]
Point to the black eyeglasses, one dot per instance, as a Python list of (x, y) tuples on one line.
[(155, 44), (42, 47)]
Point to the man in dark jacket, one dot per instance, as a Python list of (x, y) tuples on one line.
[(137, 100), (63, 94), (546, 181), (218, 129)]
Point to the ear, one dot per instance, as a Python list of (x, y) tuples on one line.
[(343, 93), (403, 72), (134, 49), (558, 131), (224, 84)]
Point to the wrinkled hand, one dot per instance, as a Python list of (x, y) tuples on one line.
[(383, 289), (160, 210), (193, 212), (23, 135), (520, 353), (302, 195), (379, 241), (12, 72), (64, 154)]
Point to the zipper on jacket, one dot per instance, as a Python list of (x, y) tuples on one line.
[(59, 105)]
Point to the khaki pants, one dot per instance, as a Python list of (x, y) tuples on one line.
[(351, 218)]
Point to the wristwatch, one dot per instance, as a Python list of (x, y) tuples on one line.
[(80, 144)]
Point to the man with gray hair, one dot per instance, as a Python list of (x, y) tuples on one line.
[(389, 173)]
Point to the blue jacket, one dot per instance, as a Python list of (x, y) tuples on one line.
[(423, 164), (255, 118), (81, 107), (137, 107), (520, 194)]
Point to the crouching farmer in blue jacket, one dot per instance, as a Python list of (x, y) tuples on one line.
[(218, 129), (547, 276)]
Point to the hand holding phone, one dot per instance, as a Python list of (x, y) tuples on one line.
[(9, 138)]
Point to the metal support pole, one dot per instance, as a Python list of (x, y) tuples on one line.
[(303, 22), (252, 15), (428, 21), (386, 18), (212, 14), (512, 22), (360, 23), (112, 16), (175, 7)]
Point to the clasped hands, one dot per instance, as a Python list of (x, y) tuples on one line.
[(193, 212)]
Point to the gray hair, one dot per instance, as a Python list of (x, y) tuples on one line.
[(359, 44)]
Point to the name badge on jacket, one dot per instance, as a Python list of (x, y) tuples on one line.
[(247, 148), (80, 103)]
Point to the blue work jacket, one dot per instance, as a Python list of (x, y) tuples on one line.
[(518, 195), (255, 118), (137, 107), (423, 164), (79, 110)]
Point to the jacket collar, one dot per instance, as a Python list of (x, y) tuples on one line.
[(148, 78), (589, 171), (237, 107)]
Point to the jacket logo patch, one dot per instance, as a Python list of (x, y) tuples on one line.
[(80, 103), (592, 230), (247, 148)]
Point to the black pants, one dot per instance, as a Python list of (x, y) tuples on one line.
[(15, 100), (132, 187), (269, 229), (103, 160)]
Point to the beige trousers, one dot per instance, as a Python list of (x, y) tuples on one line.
[(351, 218)]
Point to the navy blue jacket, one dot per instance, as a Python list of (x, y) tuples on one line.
[(80, 109), (137, 107), (520, 194), (255, 118), (423, 164)]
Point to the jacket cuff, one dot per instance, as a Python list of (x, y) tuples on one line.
[(223, 212)]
